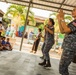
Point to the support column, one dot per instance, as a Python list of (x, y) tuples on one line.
[(25, 24)]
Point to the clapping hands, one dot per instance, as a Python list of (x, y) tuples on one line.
[(60, 15)]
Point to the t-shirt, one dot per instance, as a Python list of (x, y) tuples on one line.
[(3, 42), (39, 36), (8, 43)]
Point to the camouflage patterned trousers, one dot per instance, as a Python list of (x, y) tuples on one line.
[(45, 49), (66, 59)]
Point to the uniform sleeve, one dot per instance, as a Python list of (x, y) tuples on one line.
[(72, 26)]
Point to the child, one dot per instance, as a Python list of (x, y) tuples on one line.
[(8, 45), (3, 42)]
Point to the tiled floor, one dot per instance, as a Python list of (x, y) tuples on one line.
[(19, 63)]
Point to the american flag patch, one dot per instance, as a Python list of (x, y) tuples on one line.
[(74, 23)]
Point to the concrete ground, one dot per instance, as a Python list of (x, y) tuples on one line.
[(25, 63), (27, 48), (21, 63)]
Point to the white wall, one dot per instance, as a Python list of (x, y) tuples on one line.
[(0, 18)]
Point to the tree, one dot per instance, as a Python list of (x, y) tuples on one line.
[(18, 14), (41, 26)]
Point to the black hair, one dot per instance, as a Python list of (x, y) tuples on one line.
[(51, 20), (0, 22), (39, 29), (8, 39), (3, 37)]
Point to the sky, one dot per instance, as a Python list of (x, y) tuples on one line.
[(4, 6), (38, 12)]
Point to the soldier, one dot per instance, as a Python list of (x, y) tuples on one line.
[(69, 43), (48, 43)]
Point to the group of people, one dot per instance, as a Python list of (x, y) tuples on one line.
[(69, 42), (5, 44), (48, 42)]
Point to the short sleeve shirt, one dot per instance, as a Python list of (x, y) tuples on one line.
[(3, 42), (49, 37), (8, 43)]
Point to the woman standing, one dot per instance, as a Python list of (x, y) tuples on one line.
[(36, 42), (69, 43), (48, 43)]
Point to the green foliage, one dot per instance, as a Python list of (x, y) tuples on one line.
[(68, 18), (45, 22), (6, 21), (15, 10), (41, 26), (21, 11)]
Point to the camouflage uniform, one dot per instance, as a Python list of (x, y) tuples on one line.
[(48, 43), (69, 49)]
